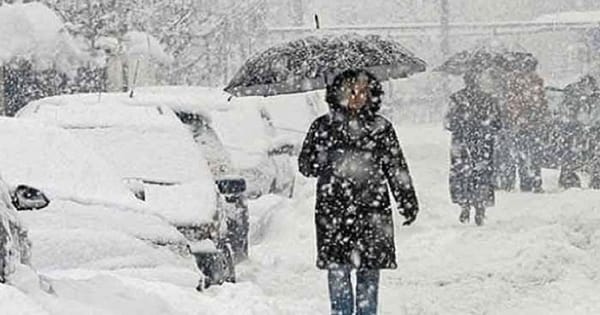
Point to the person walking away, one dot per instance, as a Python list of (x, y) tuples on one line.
[(473, 121), (355, 155), (527, 110), (580, 130)]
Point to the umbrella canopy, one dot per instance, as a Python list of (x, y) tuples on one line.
[(487, 54), (310, 63)]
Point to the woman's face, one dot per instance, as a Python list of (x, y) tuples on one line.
[(356, 93)]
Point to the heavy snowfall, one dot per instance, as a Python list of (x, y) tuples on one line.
[(299, 157)]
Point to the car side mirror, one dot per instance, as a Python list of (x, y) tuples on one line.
[(29, 198), (136, 186), (231, 186)]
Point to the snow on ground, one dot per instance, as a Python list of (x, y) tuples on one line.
[(16, 302), (537, 254)]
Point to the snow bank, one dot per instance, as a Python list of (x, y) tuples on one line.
[(15, 302), (262, 210), (34, 32)]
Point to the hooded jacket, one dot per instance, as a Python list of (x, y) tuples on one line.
[(355, 158)]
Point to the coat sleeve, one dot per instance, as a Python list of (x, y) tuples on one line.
[(397, 174), (311, 160)]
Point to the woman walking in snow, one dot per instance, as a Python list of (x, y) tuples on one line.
[(355, 154), (473, 119)]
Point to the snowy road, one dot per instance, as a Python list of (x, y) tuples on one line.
[(537, 254)]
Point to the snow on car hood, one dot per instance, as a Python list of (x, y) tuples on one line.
[(147, 144), (56, 162)]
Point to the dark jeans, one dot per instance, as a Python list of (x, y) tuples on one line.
[(341, 292)]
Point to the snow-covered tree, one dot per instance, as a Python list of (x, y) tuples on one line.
[(207, 39)]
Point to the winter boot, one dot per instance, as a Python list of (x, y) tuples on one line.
[(479, 215), (465, 215)]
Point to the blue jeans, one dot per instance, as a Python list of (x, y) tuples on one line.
[(341, 292)]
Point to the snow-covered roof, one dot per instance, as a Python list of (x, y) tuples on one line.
[(570, 17), (34, 32), (143, 143)]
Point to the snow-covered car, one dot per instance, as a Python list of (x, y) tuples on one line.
[(89, 219), (15, 247), (237, 137), (155, 155), (255, 137)]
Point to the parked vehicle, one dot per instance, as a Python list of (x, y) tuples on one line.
[(256, 137), (15, 247), (153, 154), (77, 211)]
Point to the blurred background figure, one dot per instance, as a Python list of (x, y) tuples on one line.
[(579, 126), (473, 120), (524, 112)]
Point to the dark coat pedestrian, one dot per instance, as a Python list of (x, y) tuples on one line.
[(355, 156), (473, 120), (525, 114), (579, 134)]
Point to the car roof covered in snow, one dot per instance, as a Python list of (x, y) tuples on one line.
[(247, 126), (144, 144), (240, 123)]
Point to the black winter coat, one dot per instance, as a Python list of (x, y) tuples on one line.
[(355, 160), (473, 119)]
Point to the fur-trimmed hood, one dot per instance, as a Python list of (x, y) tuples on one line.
[(334, 93)]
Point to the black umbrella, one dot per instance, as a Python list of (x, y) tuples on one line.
[(310, 63), (488, 54)]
